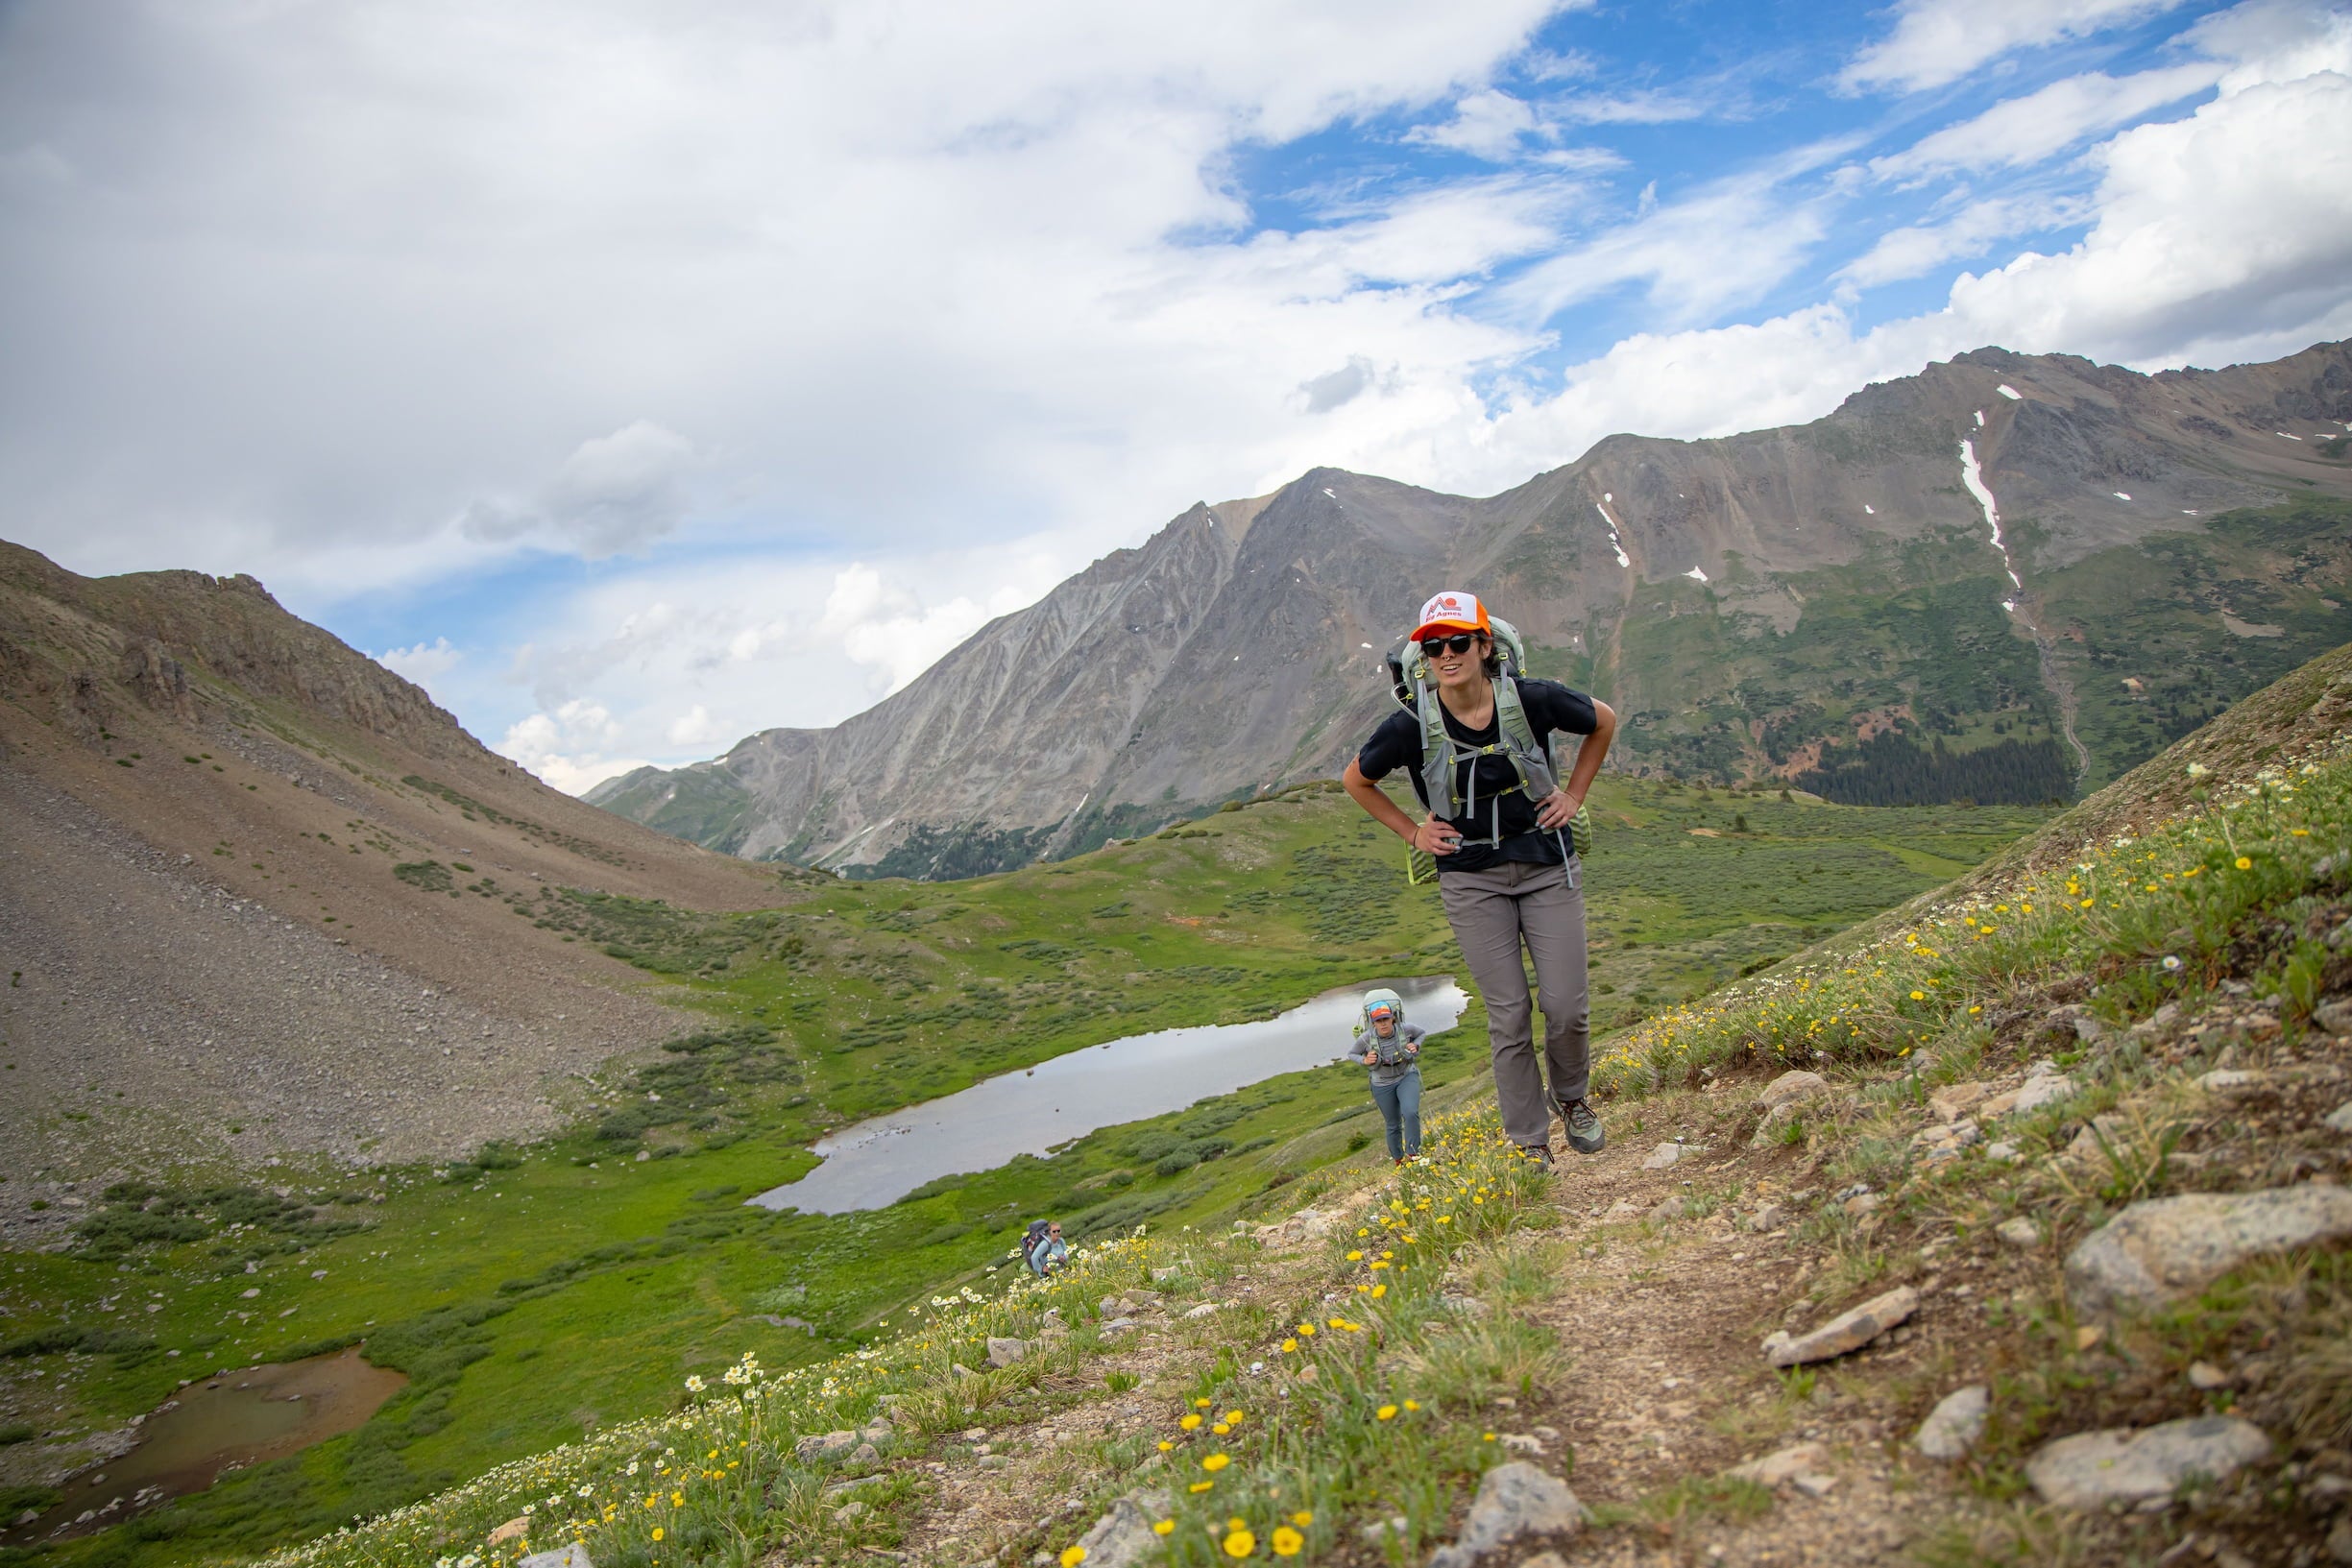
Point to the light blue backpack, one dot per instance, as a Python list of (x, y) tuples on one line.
[(1391, 1051)]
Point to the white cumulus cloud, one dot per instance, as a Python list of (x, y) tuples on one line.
[(2029, 128), (570, 748), (423, 663), (1939, 41)]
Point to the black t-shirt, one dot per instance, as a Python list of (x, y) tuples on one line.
[(1550, 707)]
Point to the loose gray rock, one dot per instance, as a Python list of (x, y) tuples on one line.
[(865, 1454), (1847, 1332), (878, 1431), (1954, 1099), (2161, 1249), (1767, 1131), (1952, 1429), (2340, 1119), (1791, 1087), (848, 1512), (2095, 1468), (1005, 1352), (2335, 1017), (2037, 1090), (2087, 1145), (2005, 1152), (1782, 1464), (1204, 1309), (574, 1556), (1121, 1538), (1670, 1209), (2222, 1080), (1945, 1140), (2019, 1232), (1768, 1216), (1515, 1500), (1662, 1157), (2205, 1377), (824, 1445)]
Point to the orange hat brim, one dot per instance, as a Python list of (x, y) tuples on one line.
[(1429, 626)]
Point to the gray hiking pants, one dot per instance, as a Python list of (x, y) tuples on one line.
[(1494, 913)]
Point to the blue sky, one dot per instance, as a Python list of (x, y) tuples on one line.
[(637, 384)]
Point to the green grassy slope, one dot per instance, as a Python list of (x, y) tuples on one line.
[(2241, 890), (629, 1274), (1712, 688)]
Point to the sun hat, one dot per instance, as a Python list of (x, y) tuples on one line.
[(1451, 610)]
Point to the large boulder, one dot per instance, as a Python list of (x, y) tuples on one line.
[(1515, 1500), (2160, 1250), (2092, 1469)]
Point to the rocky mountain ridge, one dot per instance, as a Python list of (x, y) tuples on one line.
[(263, 900), (2009, 577)]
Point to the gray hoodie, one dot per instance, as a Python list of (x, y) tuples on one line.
[(1409, 1037)]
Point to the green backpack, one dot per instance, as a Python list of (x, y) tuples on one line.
[(1441, 755)]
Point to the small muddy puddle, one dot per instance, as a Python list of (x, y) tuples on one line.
[(879, 1161), (215, 1426)]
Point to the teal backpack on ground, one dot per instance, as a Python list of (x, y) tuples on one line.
[(1388, 1052), (1441, 756)]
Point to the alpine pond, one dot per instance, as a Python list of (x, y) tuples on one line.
[(884, 1158)]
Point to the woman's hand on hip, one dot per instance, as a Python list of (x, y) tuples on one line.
[(1556, 809), (1436, 837)]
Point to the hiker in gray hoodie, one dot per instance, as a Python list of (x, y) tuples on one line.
[(1391, 1049)]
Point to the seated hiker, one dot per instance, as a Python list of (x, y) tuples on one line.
[(1475, 738), (1391, 1049), (1043, 1249)]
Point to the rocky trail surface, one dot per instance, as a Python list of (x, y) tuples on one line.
[(1663, 1264)]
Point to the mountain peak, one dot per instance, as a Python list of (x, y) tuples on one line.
[(1929, 572)]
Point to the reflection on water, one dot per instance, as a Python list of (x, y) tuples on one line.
[(882, 1160), (215, 1426)]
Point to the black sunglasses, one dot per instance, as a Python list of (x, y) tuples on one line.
[(1459, 642)]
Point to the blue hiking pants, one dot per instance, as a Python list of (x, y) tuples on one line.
[(1400, 1107)]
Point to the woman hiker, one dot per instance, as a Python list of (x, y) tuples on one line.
[(1505, 871)]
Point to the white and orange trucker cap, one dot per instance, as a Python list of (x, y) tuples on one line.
[(1450, 609)]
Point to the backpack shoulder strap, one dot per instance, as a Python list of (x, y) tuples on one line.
[(1532, 756)]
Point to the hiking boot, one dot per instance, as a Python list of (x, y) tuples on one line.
[(1540, 1153), (1584, 1128)]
